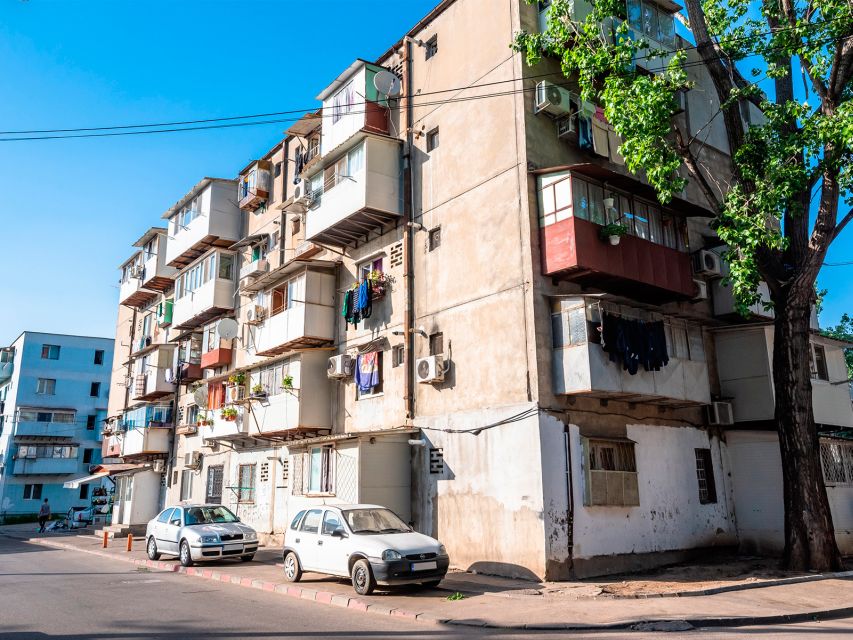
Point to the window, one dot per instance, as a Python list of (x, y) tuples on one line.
[(431, 47), (226, 266), (345, 168), (818, 362), (311, 523), (331, 522), (343, 102), (95, 389), (398, 355), (215, 396), (50, 352), (368, 374), (213, 493), (271, 377), (186, 484), (277, 170), (99, 356), (837, 461), (192, 414), (366, 268), (90, 422), (705, 476), (296, 226), (434, 238), (246, 483), (295, 523), (87, 456), (610, 473), (652, 21), (432, 140), (84, 491), (320, 472), (436, 344), (32, 492), (568, 326), (46, 386), (165, 516)]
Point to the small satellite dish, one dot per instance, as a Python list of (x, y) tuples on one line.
[(387, 83), (227, 328), (200, 396)]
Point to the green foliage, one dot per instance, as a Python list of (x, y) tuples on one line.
[(843, 331)]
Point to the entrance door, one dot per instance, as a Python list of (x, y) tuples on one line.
[(213, 492), (123, 495)]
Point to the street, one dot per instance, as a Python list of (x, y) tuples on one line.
[(47, 593)]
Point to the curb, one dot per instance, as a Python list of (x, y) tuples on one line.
[(338, 600)]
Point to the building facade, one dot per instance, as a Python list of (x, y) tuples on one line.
[(408, 301), (53, 404)]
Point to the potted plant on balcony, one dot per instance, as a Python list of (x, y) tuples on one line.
[(258, 391), (613, 232), (236, 379), (228, 414), (287, 384), (379, 283)]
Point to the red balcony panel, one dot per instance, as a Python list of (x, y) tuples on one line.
[(190, 372), (216, 358), (573, 250), (375, 117)]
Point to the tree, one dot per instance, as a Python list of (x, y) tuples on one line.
[(796, 149), (843, 331)]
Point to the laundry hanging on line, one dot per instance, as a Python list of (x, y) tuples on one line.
[(634, 343), (367, 371)]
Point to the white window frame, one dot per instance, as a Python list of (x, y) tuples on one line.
[(46, 386)]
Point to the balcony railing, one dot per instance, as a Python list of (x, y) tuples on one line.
[(45, 466), (217, 224), (145, 441), (156, 274), (131, 292), (208, 301), (152, 384)]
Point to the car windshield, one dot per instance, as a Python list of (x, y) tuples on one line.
[(374, 521), (208, 515)]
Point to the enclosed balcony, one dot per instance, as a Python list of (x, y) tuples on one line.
[(145, 441), (131, 291), (206, 217), (590, 359), (154, 377), (45, 466), (111, 446), (300, 314), (649, 260), (254, 185), (156, 274), (357, 191), (745, 366), (7, 364), (204, 290)]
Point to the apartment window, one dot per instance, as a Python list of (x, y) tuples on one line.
[(568, 326), (271, 378), (652, 21), (320, 470), (90, 423), (99, 356), (818, 362), (215, 396), (87, 456), (837, 461), (431, 47), (343, 102), (246, 483), (366, 268), (84, 492), (436, 344), (32, 492), (95, 389), (50, 352), (277, 170), (610, 473), (186, 484), (346, 168), (226, 266), (46, 386), (434, 238), (192, 414), (287, 295), (296, 226), (705, 476), (432, 139), (213, 491), (368, 375), (398, 355)]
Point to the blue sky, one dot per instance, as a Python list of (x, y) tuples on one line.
[(72, 208)]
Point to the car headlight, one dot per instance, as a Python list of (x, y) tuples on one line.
[(389, 554), (250, 535), (442, 550), (208, 539)]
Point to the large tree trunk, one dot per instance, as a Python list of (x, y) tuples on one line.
[(809, 533)]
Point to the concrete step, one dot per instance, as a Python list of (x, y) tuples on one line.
[(121, 531)]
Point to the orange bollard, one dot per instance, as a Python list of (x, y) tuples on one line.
[(129, 541), (105, 539)]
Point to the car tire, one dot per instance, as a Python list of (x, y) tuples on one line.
[(185, 556), (292, 568), (432, 584), (362, 578), (151, 549), (247, 558)]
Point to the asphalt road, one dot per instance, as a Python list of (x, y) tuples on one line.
[(50, 593)]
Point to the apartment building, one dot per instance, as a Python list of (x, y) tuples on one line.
[(409, 302), (53, 403)]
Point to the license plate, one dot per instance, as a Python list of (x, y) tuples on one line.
[(424, 566), (233, 547)]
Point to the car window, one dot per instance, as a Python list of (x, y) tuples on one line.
[(295, 524), (311, 524), (375, 521), (177, 514), (164, 517), (209, 515), (331, 521)]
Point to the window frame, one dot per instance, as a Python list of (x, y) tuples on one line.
[(326, 472), (49, 383), (706, 483), (246, 493), (99, 356), (95, 390), (50, 351), (432, 140), (431, 47)]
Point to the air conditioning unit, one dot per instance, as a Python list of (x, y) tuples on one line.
[(159, 466), (552, 99), (192, 460), (720, 413), (303, 247), (235, 393), (340, 366), (565, 127), (430, 369), (301, 192), (707, 263), (701, 289), (256, 314), (137, 271)]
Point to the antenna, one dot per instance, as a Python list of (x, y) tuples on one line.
[(200, 396), (227, 328), (387, 83)]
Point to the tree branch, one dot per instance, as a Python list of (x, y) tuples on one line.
[(686, 154), (842, 67), (842, 223)]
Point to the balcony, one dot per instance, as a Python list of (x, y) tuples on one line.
[(145, 441), (111, 446), (254, 268), (223, 429), (206, 217), (308, 323), (45, 466), (131, 292), (581, 366), (366, 196), (151, 385), (211, 299), (219, 357), (27, 428), (190, 372), (7, 368), (156, 274), (745, 366), (254, 185)]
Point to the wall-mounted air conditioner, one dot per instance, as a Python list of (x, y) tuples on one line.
[(256, 314), (720, 413), (701, 289), (430, 369), (707, 263), (235, 393), (552, 99), (340, 366), (565, 127), (192, 460), (159, 466)]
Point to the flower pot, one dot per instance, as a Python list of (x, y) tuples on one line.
[(609, 203), (614, 240)]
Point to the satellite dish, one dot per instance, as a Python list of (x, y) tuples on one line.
[(387, 83), (200, 396), (227, 328)]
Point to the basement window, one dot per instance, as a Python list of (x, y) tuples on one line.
[(610, 472), (705, 477)]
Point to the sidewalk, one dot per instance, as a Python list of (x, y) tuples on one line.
[(498, 602)]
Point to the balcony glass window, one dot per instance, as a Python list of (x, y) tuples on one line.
[(343, 102), (246, 486), (226, 266), (271, 377), (580, 199), (47, 451), (652, 21), (818, 363), (32, 415), (32, 492), (346, 168), (50, 352), (46, 386)]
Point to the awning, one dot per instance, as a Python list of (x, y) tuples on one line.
[(75, 484), (248, 241), (105, 470)]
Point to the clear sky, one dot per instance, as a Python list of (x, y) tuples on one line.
[(72, 208)]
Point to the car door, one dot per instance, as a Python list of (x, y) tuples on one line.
[(333, 551), (172, 531), (158, 529), (307, 538)]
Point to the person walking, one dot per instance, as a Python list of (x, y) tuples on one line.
[(44, 515)]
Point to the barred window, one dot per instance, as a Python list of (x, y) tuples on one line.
[(837, 462), (705, 477), (246, 480)]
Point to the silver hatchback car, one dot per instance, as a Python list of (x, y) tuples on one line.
[(198, 532)]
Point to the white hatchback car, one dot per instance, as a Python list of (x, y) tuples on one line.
[(367, 543)]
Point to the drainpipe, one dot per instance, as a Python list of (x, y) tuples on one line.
[(409, 234)]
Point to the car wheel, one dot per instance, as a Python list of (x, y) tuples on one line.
[(362, 578), (151, 548), (432, 584), (185, 555), (292, 570), (247, 558)]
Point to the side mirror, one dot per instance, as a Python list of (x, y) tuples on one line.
[(236, 519), (340, 532), (175, 522)]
